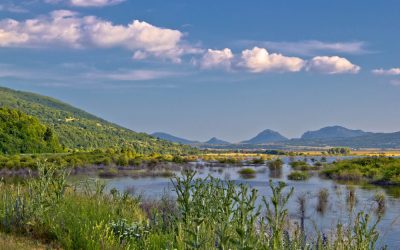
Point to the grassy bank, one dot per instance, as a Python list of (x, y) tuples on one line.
[(377, 170)]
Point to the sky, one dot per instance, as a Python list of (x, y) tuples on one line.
[(199, 69)]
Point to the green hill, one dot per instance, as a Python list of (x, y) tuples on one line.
[(77, 129)]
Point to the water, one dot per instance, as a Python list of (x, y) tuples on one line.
[(336, 209)]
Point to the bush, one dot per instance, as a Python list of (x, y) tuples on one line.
[(247, 173)]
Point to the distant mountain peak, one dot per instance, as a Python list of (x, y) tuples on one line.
[(266, 136), (217, 141), (333, 132)]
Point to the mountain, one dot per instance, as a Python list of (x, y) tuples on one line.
[(333, 132), (77, 129), (216, 141), (368, 140), (171, 138), (266, 136)]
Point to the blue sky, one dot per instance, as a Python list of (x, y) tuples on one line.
[(199, 69)]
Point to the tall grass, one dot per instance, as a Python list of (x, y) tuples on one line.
[(207, 214)]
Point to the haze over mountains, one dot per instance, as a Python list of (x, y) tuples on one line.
[(333, 132), (334, 136), (266, 136)]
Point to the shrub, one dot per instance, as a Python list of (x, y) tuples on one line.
[(247, 173)]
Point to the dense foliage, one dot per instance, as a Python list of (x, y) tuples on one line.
[(380, 170), (78, 129), (89, 218), (20, 133)]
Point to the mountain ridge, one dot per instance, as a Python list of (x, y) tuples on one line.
[(80, 130), (333, 132)]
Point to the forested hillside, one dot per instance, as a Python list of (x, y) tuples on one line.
[(20, 133), (77, 129)]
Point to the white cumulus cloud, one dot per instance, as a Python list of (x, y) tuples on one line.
[(217, 59), (63, 27), (389, 72), (332, 65), (259, 60)]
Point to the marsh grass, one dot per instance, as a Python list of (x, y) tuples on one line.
[(275, 164), (322, 200), (303, 166)]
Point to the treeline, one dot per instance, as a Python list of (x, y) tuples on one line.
[(21, 133)]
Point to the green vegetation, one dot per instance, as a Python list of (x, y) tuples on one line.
[(303, 166), (338, 151), (377, 170), (79, 130), (20, 133), (298, 176), (49, 210), (230, 160), (247, 173)]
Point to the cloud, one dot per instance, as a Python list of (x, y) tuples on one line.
[(94, 3), (78, 75), (332, 65), (388, 72), (67, 28), (259, 60), (217, 59), (61, 27), (311, 47)]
